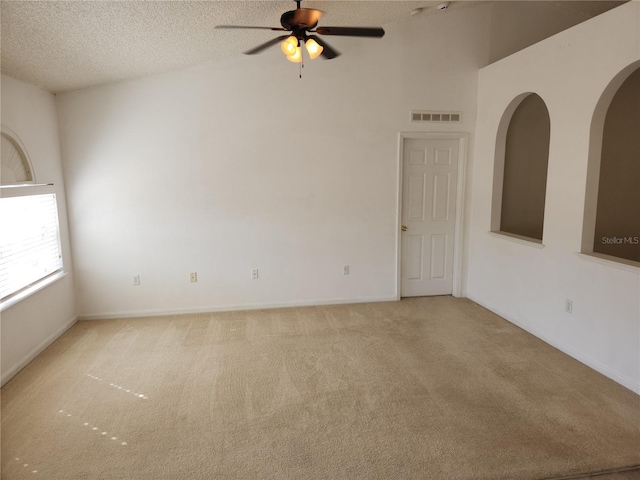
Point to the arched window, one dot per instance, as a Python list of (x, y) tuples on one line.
[(16, 167), (30, 234), (522, 158), (612, 208)]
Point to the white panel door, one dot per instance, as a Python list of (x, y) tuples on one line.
[(430, 178)]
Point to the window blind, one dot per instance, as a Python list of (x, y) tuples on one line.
[(29, 241)]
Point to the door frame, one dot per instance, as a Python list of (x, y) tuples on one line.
[(463, 140)]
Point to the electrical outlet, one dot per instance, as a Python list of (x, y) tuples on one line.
[(136, 280), (254, 274), (345, 270), (193, 276), (568, 305)]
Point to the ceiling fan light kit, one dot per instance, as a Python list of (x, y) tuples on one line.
[(293, 51), (300, 23)]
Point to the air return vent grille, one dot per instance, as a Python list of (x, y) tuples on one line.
[(419, 116)]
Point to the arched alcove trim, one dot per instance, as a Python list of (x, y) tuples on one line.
[(529, 233)]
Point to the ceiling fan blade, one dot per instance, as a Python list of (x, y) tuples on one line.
[(265, 45), (249, 27), (306, 17), (376, 32), (327, 51)]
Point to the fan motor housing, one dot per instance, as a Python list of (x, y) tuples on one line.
[(300, 19)]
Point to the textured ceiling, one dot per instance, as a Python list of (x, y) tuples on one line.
[(68, 45)]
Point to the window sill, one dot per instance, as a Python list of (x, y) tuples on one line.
[(610, 261), (512, 237), (27, 292)]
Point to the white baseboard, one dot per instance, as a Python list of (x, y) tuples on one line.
[(238, 307), (572, 352), (9, 374)]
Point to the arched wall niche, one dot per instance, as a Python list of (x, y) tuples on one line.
[(16, 168), (498, 165), (624, 236), (520, 168)]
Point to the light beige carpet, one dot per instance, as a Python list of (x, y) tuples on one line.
[(429, 388)]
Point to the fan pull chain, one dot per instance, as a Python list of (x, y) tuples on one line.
[(301, 61)]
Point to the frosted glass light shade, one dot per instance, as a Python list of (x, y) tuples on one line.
[(296, 57), (313, 48), (289, 46)]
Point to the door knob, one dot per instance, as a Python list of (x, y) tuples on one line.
[(404, 229)]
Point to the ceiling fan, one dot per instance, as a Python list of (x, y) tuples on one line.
[(301, 22)]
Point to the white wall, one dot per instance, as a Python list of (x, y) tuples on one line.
[(223, 168), (519, 24), (528, 285), (29, 326)]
